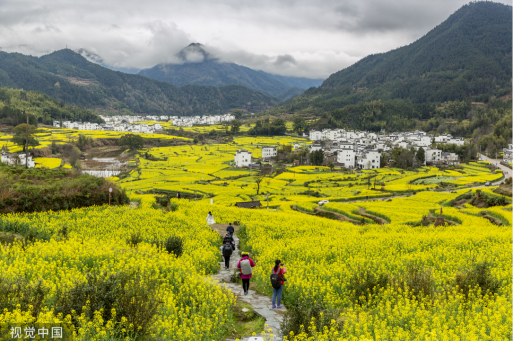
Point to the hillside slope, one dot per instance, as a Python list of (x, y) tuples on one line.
[(42, 109), (72, 79), (468, 54)]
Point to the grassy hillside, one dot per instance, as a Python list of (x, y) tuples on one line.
[(38, 189), (70, 78)]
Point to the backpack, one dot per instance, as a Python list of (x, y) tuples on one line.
[(275, 279), (227, 250), (246, 267)]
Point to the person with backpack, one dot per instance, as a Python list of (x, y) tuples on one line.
[(277, 282), (230, 229), (226, 251), (245, 265), (230, 239)]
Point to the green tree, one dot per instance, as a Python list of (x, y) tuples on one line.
[(285, 149), (71, 152), (331, 165), (384, 158), (20, 135), (258, 179), (235, 126), (316, 157), (132, 141), (420, 156), (299, 124), (83, 141), (237, 113), (403, 158)]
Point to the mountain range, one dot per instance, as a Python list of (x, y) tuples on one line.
[(468, 55), (69, 77), (197, 66)]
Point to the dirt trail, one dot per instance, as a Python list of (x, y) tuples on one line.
[(378, 220), (333, 215)]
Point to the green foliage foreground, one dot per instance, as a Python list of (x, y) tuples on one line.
[(38, 189)]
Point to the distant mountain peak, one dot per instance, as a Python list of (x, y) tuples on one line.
[(91, 56), (194, 53)]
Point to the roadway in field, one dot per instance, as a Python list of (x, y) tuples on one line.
[(506, 170)]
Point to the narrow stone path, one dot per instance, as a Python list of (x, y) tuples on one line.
[(261, 304)]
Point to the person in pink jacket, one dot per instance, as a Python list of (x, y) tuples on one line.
[(245, 265)]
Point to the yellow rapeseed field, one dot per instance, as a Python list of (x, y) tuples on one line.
[(191, 309)]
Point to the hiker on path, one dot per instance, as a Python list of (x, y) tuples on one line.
[(178, 195), (230, 229), (210, 219), (277, 281), (245, 265), (226, 251), (228, 239)]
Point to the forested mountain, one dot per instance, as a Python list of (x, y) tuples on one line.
[(40, 107), (199, 67), (289, 93), (72, 79), (298, 82), (468, 56)]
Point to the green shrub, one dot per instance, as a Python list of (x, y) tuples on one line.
[(242, 233), (364, 283), (163, 201), (7, 238), (173, 244), (173, 206), (417, 280), (132, 295), (134, 239), (478, 276), (301, 312), (21, 292)]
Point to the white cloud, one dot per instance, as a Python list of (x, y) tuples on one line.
[(292, 37)]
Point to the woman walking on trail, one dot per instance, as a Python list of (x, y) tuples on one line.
[(277, 281), (210, 219), (245, 265)]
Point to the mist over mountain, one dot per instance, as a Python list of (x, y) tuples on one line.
[(69, 77), (199, 67)]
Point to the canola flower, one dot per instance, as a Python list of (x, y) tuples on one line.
[(192, 308), (323, 255), (47, 162)]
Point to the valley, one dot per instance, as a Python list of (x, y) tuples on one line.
[(140, 168)]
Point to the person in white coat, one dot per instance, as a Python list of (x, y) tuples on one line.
[(210, 219)]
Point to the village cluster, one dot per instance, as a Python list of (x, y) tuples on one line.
[(361, 149), (342, 148), (130, 123), (204, 120), (117, 123)]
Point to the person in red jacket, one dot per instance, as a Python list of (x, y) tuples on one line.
[(245, 265)]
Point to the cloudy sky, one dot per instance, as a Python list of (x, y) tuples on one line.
[(287, 37)]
